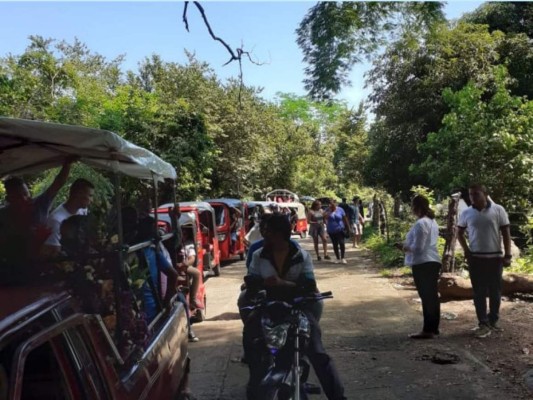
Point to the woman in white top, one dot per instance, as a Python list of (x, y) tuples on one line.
[(421, 254)]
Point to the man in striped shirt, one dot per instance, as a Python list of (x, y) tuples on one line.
[(485, 223)]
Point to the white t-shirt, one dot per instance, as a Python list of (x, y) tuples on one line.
[(483, 228), (189, 249), (55, 219), (254, 234), (422, 241)]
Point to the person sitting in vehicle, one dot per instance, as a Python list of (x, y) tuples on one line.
[(80, 197), (156, 263), (236, 223), (23, 220), (188, 251), (75, 240), (285, 271)]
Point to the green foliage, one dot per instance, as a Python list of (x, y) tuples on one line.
[(489, 134), (524, 264), (336, 35), (509, 17), (408, 80), (222, 137), (396, 272), (420, 190), (103, 187), (387, 254)]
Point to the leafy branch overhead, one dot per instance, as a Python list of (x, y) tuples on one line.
[(334, 36)]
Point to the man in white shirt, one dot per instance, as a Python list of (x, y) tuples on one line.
[(486, 223), (80, 197)]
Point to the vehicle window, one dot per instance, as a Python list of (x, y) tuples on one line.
[(60, 369), (84, 363), (219, 215), (45, 379)]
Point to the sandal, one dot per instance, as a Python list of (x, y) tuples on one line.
[(326, 257), (319, 258)]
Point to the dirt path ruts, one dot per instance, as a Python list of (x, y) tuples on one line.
[(365, 330)]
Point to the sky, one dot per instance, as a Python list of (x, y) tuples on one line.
[(139, 29)]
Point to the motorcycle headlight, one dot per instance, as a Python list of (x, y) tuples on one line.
[(303, 324), (221, 237), (276, 336)]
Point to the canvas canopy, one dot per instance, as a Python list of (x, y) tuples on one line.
[(31, 146)]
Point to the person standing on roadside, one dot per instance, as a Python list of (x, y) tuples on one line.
[(347, 209), (315, 216), (337, 222), (357, 222), (486, 223), (421, 254)]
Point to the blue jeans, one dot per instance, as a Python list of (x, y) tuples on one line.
[(486, 278)]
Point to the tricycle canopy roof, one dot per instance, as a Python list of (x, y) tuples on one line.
[(200, 205), (29, 146), (229, 202), (283, 193), (300, 208), (262, 203)]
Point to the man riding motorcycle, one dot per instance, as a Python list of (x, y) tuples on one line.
[(285, 271)]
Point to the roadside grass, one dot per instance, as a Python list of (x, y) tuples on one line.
[(401, 272), (523, 265), (387, 255)]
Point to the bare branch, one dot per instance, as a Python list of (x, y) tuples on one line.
[(230, 50), (234, 55), (185, 16)]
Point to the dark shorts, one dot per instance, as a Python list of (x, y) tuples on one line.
[(316, 230)]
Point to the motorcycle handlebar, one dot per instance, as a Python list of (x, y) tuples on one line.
[(296, 300)]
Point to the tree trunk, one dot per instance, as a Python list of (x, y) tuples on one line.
[(448, 257), (375, 212), (453, 287), (397, 204)]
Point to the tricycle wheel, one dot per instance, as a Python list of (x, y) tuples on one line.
[(216, 270), (241, 256), (303, 234)]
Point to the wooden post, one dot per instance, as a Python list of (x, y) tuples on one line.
[(375, 212), (397, 204), (448, 257)]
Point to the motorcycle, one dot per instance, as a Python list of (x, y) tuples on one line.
[(286, 331)]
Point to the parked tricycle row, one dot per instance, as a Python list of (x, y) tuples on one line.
[(108, 315)]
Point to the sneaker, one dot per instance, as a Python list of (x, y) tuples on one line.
[(326, 257), (343, 261), (496, 327), (193, 338), (483, 331), (337, 261)]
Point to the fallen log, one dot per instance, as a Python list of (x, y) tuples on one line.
[(454, 287)]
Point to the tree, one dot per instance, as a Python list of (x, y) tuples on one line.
[(408, 81), (336, 35), (509, 17), (486, 137)]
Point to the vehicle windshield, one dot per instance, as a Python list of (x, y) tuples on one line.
[(220, 217)]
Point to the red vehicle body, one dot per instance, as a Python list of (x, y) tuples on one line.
[(298, 217), (223, 210), (73, 326), (206, 233), (51, 349), (191, 227)]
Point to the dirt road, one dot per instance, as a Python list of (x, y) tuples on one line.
[(365, 330)]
